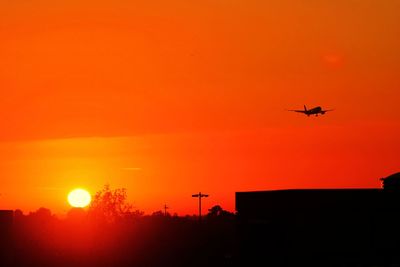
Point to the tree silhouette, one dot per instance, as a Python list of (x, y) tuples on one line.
[(158, 213), (110, 205), (41, 215), (218, 211)]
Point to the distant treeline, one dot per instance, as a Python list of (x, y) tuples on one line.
[(41, 239), (111, 233)]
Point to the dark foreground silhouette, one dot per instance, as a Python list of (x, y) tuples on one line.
[(328, 227), (40, 239), (320, 227)]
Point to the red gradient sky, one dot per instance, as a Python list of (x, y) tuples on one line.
[(167, 98)]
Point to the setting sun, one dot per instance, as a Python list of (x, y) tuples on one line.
[(79, 198)]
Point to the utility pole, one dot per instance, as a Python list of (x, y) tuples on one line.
[(200, 196), (165, 210)]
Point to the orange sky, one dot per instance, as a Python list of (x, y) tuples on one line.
[(167, 98)]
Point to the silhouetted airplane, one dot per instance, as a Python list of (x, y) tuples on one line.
[(314, 111)]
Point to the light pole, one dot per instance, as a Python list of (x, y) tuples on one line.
[(165, 210), (200, 196)]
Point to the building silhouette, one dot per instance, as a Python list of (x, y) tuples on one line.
[(320, 226), (6, 238), (392, 182)]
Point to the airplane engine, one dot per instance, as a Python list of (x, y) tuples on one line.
[(322, 112)]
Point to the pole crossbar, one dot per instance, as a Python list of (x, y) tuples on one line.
[(200, 196)]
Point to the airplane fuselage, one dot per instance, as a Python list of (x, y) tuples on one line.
[(314, 111)]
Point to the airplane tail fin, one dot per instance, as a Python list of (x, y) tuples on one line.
[(305, 108)]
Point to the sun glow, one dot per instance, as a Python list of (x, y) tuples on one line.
[(79, 198)]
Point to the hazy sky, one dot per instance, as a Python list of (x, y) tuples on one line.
[(167, 98)]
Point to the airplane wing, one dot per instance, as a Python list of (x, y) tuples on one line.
[(328, 110), (294, 110)]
